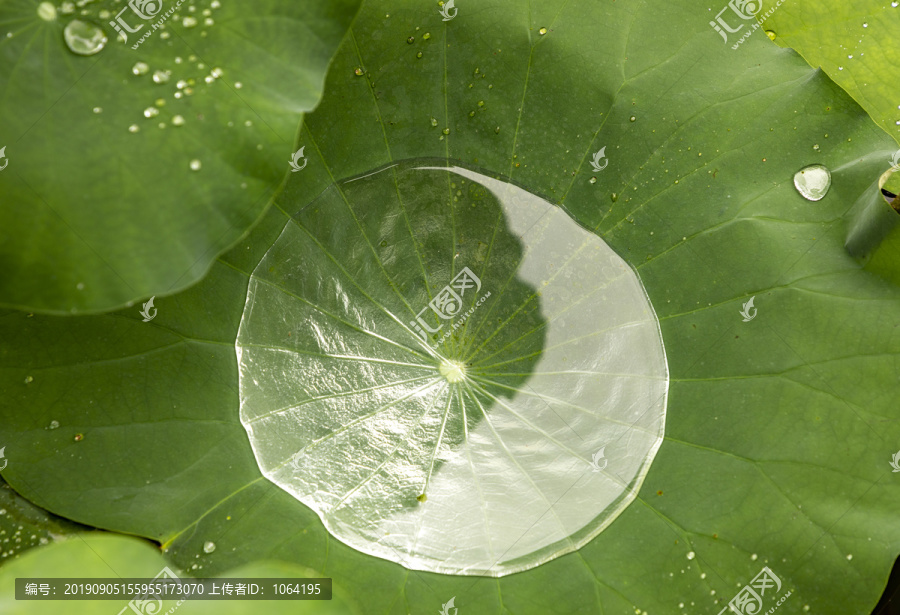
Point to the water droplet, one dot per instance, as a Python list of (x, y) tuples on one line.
[(79, 437), (690, 555), (53, 425), (209, 21), (151, 112), (771, 34), (98, 109), (419, 55), (753, 557), (195, 165), (632, 118), (813, 182), (358, 72), (46, 11), (434, 122), (816, 147), (84, 39), (29, 379), (865, 25), (497, 130), (209, 546), (593, 180), (161, 76), (411, 40), (140, 68), (542, 31), (849, 556), (134, 128), (238, 85), (188, 22), (178, 121), (480, 103), (216, 72), (422, 498), (160, 102), (471, 114), (446, 131), (426, 36), (613, 197)]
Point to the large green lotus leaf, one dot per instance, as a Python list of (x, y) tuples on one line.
[(853, 41), (87, 556), (779, 428), (95, 216)]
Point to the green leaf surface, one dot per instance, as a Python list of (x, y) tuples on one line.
[(106, 556), (854, 42), (95, 216), (24, 526), (779, 429)]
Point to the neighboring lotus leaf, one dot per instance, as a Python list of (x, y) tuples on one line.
[(129, 170)]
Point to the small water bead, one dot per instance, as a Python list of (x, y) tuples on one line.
[(188, 22), (593, 180), (53, 425), (195, 165), (79, 437), (816, 147), (134, 128), (164, 35), (434, 122), (497, 130), (411, 40), (29, 379), (542, 31), (46, 11), (151, 112), (632, 118), (98, 109), (419, 55), (471, 114), (84, 39), (690, 555), (209, 546), (865, 25), (238, 85), (161, 76), (446, 131), (140, 68), (209, 21), (160, 102), (771, 34), (178, 121), (480, 103), (358, 72), (426, 36), (813, 182)]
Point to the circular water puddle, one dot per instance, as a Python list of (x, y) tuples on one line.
[(450, 371)]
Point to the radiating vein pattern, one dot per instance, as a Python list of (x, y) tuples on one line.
[(462, 381)]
